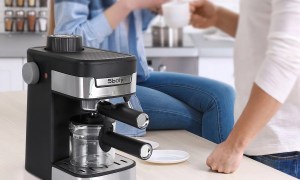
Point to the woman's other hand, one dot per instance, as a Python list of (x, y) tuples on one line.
[(225, 158), (204, 14)]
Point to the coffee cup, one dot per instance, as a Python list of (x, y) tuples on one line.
[(176, 13)]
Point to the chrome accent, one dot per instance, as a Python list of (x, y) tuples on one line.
[(89, 105), (146, 151), (113, 81), (91, 173), (85, 87), (129, 104), (142, 120)]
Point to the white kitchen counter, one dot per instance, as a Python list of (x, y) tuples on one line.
[(12, 151)]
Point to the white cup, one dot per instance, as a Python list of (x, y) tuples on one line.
[(176, 13)]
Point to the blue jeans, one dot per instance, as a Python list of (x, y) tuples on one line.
[(178, 101), (288, 163)]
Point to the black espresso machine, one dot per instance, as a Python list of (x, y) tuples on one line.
[(70, 116)]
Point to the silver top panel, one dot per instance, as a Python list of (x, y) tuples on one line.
[(87, 88)]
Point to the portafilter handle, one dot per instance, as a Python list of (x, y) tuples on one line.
[(124, 114), (108, 139)]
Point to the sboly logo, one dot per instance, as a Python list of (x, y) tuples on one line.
[(115, 80)]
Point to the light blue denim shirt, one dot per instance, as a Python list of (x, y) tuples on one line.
[(86, 18)]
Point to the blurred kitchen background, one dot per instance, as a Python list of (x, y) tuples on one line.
[(207, 53)]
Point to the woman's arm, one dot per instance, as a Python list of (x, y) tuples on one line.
[(124, 7), (71, 17), (258, 112), (118, 12), (147, 17), (275, 79), (227, 21), (205, 14)]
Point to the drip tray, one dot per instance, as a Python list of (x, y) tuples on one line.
[(120, 164)]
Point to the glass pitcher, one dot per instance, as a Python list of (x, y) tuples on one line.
[(84, 145)]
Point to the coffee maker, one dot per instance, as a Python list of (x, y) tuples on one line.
[(70, 118)]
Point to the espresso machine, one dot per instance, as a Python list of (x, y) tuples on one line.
[(70, 116)]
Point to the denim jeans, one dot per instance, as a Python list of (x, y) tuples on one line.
[(288, 163), (178, 101)]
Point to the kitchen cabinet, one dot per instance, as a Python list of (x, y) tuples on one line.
[(11, 74), (13, 54)]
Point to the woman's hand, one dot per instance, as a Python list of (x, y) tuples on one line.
[(225, 158), (120, 10), (157, 10), (204, 14)]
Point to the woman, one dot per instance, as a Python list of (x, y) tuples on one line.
[(267, 70), (173, 101)]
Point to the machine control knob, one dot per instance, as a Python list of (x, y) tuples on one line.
[(30, 73), (64, 43)]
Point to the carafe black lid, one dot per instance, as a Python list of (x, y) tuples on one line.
[(64, 43)]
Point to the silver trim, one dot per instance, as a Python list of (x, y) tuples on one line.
[(129, 174), (146, 151), (129, 104), (113, 81), (85, 87), (89, 105), (142, 120)]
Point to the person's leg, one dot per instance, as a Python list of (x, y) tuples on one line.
[(213, 99), (288, 163), (166, 112)]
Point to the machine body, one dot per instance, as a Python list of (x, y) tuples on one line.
[(65, 81)]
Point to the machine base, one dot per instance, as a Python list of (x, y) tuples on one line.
[(122, 169)]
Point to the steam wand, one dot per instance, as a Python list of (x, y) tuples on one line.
[(108, 138)]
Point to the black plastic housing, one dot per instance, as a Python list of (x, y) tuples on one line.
[(49, 113), (87, 63)]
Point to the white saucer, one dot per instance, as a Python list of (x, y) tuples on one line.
[(168, 156), (154, 145)]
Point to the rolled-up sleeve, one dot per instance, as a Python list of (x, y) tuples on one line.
[(73, 17), (281, 67), (147, 16)]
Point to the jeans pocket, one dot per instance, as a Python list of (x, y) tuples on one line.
[(285, 156), (285, 162)]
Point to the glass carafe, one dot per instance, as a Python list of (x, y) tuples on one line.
[(84, 145)]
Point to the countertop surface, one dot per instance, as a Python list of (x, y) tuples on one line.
[(12, 138)]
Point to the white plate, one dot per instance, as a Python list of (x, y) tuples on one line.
[(154, 145), (168, 156)]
